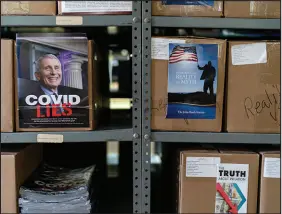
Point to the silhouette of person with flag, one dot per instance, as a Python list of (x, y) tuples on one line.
[(208, 76)]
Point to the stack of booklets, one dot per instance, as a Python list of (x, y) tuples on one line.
[(57, 190)]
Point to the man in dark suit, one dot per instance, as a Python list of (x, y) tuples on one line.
[(49, 76), (208, 76)]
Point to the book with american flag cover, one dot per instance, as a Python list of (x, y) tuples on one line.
[(192, 81)]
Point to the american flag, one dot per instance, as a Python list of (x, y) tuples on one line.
[(183, 54)]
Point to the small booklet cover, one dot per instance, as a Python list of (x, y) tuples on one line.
[(185, 2), (192, 81), (52, 80), (59, 180), (57, 190)]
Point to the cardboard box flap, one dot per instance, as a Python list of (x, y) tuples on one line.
[(270, 182), (235, 150), (233, 42), (17, 164), (28, 7), (26, 159), (7, 86), (252, 9), (193, 39), (270, 152), (198, 151)]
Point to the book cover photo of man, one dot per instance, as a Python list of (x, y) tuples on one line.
[(52, 81)]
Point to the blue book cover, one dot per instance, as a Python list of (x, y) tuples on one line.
[(192, 81), (185, 2)]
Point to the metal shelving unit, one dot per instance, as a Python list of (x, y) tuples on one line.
[(71, 137), (47, 21), (146, 105), (206, 137), (111, 134), (140, 133), (200, 22), (149, 135)]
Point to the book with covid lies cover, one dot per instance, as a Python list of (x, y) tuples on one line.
[(54, 73)]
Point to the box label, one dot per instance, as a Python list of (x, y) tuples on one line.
[(69, 20), (50, 138), (249, 54), (192, 81), (96, 6), (185, 2), (271, 168), (201, 166), (160, 47), (232, 188), (52, 71)]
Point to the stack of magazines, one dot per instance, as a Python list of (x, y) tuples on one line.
[(57, 190)]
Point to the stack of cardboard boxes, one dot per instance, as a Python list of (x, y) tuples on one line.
[(222, 180), (219, 180), (238, 9), (247, 95)]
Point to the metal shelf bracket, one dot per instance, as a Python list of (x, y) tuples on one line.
[(146, 106), (137, 106)]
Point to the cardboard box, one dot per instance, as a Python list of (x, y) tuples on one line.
[(17, 164), (160, 95), (270, 183), (205, 175), (192, 8), (94, 7), (28, 7), (59, 96), (7, 83), (252, 9), (253, 87)]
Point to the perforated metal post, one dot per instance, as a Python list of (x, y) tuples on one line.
[(137, 106), (146, 104)]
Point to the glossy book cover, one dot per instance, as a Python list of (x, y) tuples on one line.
[(186, 2), (52, 81), (192, 81)]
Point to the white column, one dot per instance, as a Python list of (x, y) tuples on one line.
[(73, 72)]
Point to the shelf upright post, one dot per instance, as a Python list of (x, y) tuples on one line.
[(146, 106), (136, 106)]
